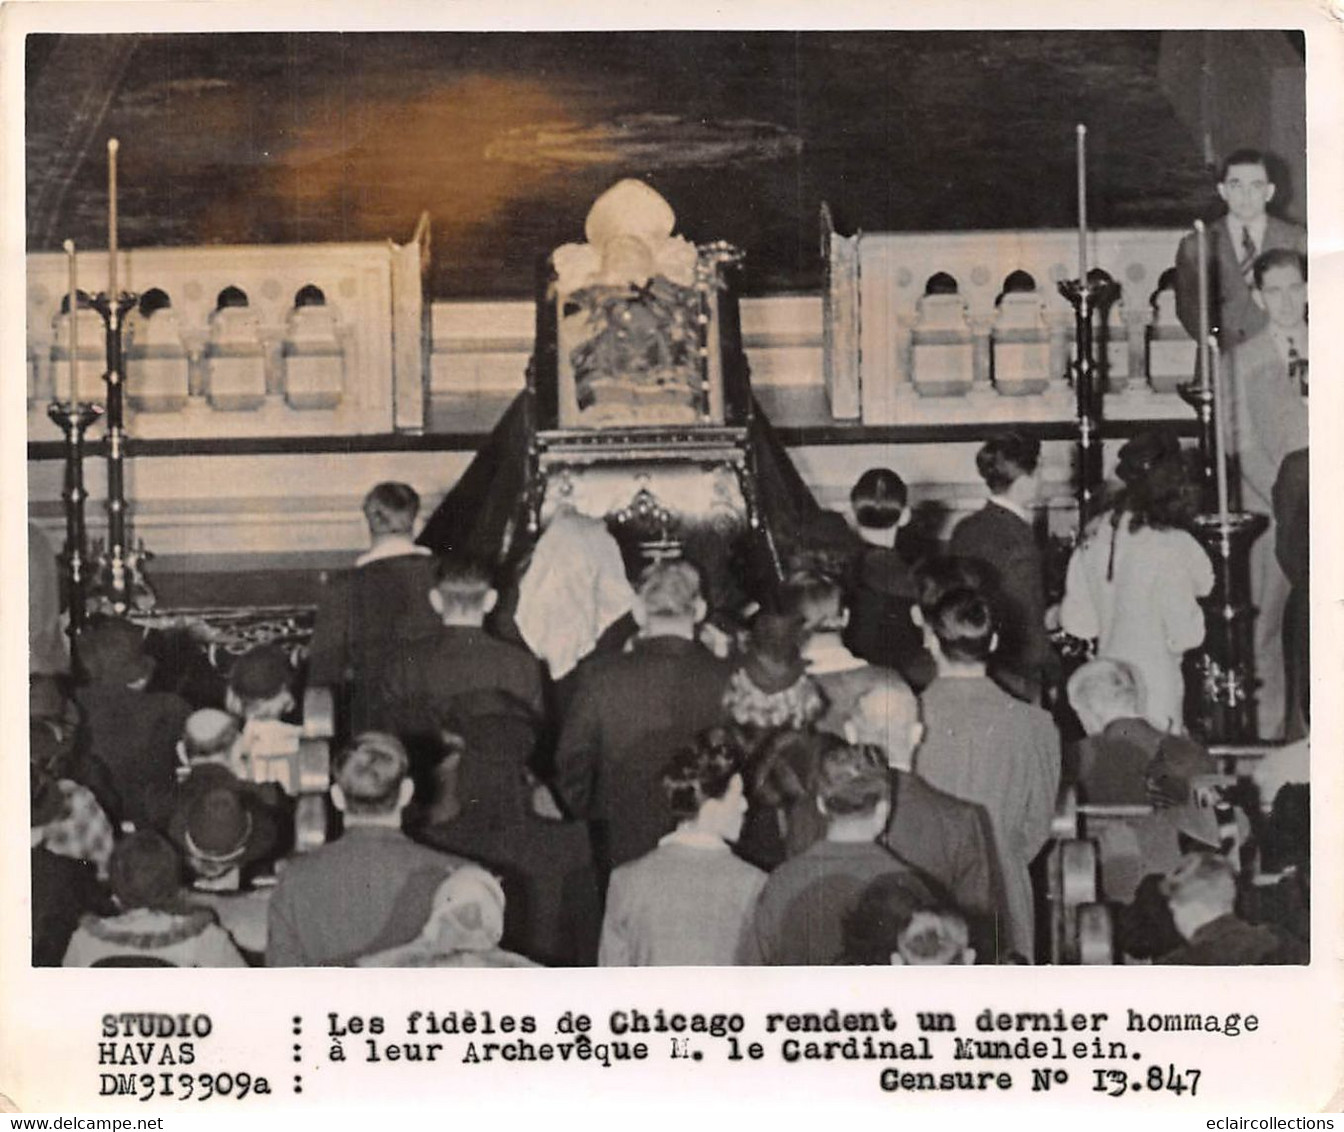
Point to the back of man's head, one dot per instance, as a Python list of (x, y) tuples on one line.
[(963, 625), (1002, 460), (670, 591), (852, 781), (1104, 690), (462, 589), (879, 499), (391, 508), (369, 774), (814, 599), (887, 716)]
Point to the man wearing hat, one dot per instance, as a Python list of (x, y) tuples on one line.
[(131, 731), (224, 828)]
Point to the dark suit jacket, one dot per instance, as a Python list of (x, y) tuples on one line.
[(365, 613), (881, 594), (1006, 545), (415, 684), (947, 839), (952, 841), (630, 713), (1231, 310), (1292, 513)]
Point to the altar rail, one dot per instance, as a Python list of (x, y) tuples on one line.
[(899, 354), (217, 489), (272, 367)]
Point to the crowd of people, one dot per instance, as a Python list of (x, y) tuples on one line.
[(572, 767)]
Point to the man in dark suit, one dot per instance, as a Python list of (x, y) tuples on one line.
[(945, 837), (630, 713), (415, 682), (382, 603), (1234, 241), (1292, 547), (419, 687), (1000, 537)]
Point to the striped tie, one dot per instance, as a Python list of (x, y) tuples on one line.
[(1247, 253)]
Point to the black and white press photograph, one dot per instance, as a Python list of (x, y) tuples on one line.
[(719, 498)]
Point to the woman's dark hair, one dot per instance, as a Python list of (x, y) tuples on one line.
[(879, 499), (1004, 459), (700, 772), (1159, 491), (935, 577), (782, 765)]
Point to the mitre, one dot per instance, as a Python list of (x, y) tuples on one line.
[(629, 208)]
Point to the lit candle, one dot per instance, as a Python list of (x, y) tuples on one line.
[(1082, 204), (112, 145), (1219, 432), (73, 311), (1202, 247)]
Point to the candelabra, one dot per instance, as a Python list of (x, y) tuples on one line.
[(74, 418), (1087, 296), (120, 583), (1199, 396), (1225, 709)]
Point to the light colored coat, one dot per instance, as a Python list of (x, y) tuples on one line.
[(1147, 612)]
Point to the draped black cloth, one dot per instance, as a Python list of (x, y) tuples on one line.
[(485, 513)]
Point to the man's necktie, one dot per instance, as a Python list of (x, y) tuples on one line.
[(1247, 252), (1297, 368)]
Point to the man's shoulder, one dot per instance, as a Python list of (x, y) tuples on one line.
[(1281, 233), (915, 792), (456, 643), (401, 569), (992, 527), (1256, 352), (884, 570), (337, 856), (675, 652)]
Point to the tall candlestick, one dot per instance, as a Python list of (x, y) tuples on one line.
[(1082, 204), (1220, 433), (73, 312), (112, 146), (1202, 248)]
